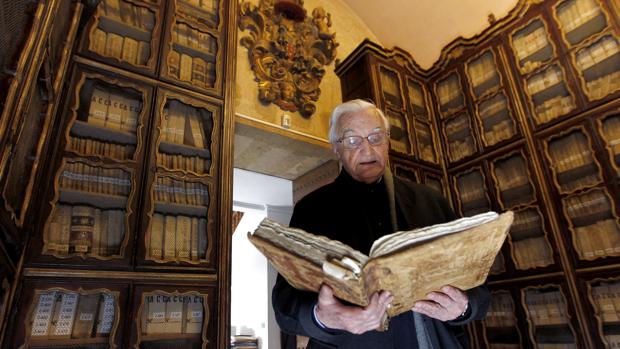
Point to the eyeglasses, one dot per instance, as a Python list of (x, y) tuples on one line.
[(374, 139)]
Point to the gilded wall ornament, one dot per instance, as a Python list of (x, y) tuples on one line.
[(287, 54)]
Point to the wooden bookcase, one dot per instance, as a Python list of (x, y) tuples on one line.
[(116, 176), (524, 117)]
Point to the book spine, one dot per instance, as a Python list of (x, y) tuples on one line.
[(105, 319), (85, 316), (42, 317)]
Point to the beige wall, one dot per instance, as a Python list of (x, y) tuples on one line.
[(350, 31)]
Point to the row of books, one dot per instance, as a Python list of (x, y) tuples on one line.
[(390, 83), (196, 70), (106, 149), (556, 345), (524, 222), (457, 124), (174, 314), (416, 96), (553, 107), (427, 152), (570, 152), (501, 312), (546, 308), (598, 52), (79, 176), (124, 48), (482, 70), (544, 80), (470, 191), (613, 341), (179, 237), (611, 133), (493, 106), (576, 13), (243, 342), (448, 90), (533, 252), (181, 192), (185, 35), (461, 148), (500, 131), (511, 174), (603, 86), (592, 203), (84, 229), (61, 314), (606, 297), (194, 164), (184, 124), (113, 110), (135, 16), (527, 44), (597, 240)]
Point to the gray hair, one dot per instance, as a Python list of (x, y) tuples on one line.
[(350, 107)]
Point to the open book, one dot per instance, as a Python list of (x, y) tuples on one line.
[(408, 264)]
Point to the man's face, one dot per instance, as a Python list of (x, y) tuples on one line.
[(367, 162)]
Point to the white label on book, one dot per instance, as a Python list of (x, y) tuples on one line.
[(86, 316), (43, 314), (160, 315), (107, 315), (196, 314), (67, 312)]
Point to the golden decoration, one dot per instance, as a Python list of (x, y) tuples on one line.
[(287, 53)]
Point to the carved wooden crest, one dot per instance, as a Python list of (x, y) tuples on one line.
[(287, 53)]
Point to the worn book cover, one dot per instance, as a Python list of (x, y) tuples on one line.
[(408, 264)]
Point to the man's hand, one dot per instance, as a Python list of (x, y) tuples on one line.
[(333, 314), (446, 305)]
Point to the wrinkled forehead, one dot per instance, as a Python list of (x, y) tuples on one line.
[(363, 120)]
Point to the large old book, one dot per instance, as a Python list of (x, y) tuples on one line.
[(408, 264)]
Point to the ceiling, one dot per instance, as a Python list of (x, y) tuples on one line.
[(424, 27)]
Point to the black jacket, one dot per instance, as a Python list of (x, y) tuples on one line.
[(357, 214)]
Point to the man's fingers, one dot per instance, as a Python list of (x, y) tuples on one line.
[(441, 298), (455, 293)]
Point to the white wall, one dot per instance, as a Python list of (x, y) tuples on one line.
[(258, 196)]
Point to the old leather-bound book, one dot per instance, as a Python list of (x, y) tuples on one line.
[(408, 264)]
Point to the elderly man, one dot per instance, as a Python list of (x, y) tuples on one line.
[(364, 203)]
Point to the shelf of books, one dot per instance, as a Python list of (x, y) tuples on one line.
[(437, 182), (425, 141), (548, 319), (459, 136), (500, 324), (449, 94), (529, 236), (67, 316), (124, 33), (609, 131), (204, 12), (418, 100), (471, 191), (192, 55), (543, 78), (604, 298), (405, 170), (181, 215), (399, 131), (173, 317), (492, 109), (593, 45), (391, 87), (570, 155)]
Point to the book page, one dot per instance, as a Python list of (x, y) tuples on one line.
[(461, 259), (403, 239), (307, 261)]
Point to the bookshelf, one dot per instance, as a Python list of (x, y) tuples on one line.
[(117, 202), (525, 117)]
